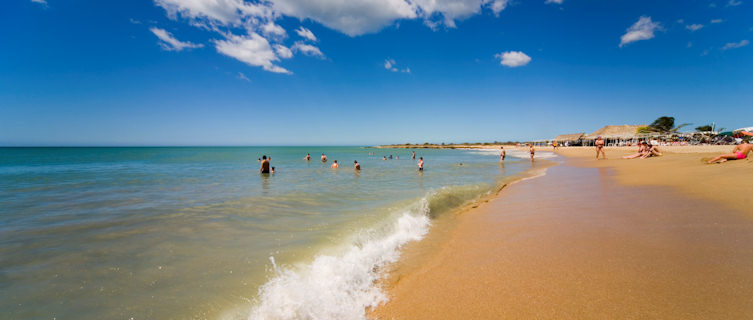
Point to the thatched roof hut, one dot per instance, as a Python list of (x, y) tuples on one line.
[(569, 137), (616, 132)]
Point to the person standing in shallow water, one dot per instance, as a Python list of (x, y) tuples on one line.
[(307, 157), (421, 164), (532, 150), (335, 165), (324, 158), (413, 155), (599, 143), (264, 165), (502, 154), (356, 165)]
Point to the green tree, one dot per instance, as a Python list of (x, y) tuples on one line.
[(703, 128), (662, 124)]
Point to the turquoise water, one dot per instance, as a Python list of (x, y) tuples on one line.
[(182, 233)]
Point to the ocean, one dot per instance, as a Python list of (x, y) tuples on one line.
[(198, 233)]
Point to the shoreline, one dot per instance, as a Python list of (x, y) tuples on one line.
[(487, 267)]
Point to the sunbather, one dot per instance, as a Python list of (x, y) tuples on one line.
[(739, 152), (642, 149)]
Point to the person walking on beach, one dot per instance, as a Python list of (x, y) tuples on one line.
[(264, 165), (324, 158), (413, 155), (739, 152), (335, 165), (554, 145), (307, 157), (532, 150), (502, 154), (599, 143), (421, 164), (356, 165)]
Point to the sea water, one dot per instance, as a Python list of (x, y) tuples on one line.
[(197, 233)]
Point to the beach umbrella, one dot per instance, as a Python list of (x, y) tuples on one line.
[(748, 131)]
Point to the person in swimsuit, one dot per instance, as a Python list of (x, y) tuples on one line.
[(307, 157), (532, 150), (324, 158), (739, 152), (413, 156), (651, 151), (335, 165), (599, 143), (502, 154), (642, 149), (421, 164), (264, 165), (356, 165)]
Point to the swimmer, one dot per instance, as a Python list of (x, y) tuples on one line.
[(307, 157), (356, 165), (264, 165), (324, 158), (421, 164), (335, 165)]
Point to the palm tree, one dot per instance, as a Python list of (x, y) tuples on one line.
[(662, 125)]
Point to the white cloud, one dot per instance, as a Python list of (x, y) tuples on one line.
[(694, 27), (733, 3), (643, 29), (169, 43), (243, 77), (305, 33), (712, 5), (253, 49), (273, 30), (390, 65), (283, 51), (513, 59), (307, 49), (734, 45), (554, 1), (351, 17), (717, 20), (40, 1)]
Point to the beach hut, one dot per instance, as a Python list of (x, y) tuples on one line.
[(572, 139), (615, 135)]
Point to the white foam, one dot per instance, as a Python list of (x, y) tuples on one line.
[(340, 286), (523, 154)]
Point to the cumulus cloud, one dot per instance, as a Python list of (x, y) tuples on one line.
[(643, 29), (717, 20), (273, 30), (694, 27), (169, 43), (305, 33), (513, 59), (283, 51), (253, 50), (735, 45), (350, 17), (307, 49)]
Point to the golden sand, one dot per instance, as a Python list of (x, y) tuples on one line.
[(580, 244)]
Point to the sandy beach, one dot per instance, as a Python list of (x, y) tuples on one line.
[(666, 237)]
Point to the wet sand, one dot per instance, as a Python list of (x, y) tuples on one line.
[(578, 244)]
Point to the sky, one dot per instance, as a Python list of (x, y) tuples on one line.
[(364, 72)]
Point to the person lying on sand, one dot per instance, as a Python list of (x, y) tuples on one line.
[(653, 151), (642, 149), (739, 152)]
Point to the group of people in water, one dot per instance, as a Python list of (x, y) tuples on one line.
[(265, 162), (503, 153)]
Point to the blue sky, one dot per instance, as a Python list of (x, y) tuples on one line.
[(359, 72)]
